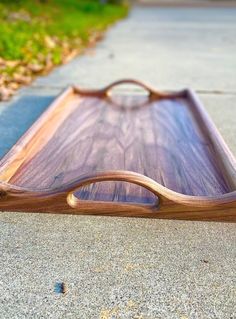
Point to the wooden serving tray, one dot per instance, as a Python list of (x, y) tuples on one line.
[(93, 152)]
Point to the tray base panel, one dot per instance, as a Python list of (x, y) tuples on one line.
[(161, 139)]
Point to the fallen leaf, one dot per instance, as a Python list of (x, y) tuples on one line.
[(21, 79), (2, 62), (12, 63), (13, 85), (50, 42), (35, 68), (5, 93), (70, 56)]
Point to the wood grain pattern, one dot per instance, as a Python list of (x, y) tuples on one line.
[(151, 156)]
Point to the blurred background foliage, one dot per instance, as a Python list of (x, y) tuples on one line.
[(35, 35)]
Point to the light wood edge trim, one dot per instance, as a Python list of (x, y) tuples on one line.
[(163, 193)]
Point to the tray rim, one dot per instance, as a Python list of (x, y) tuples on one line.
[(159, 190)]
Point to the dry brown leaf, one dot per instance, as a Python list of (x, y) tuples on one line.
[(2, 62), (13, 85), (21, 79), (12, 63), (6, 78), (70, 56), (5, 93), (48, 63), (41, 57), (22, 69), (35, 68), (2, 80), (50, 42)]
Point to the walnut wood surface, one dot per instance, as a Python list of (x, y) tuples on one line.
[(146, 156)]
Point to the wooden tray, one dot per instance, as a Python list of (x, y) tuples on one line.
[(93, 152)]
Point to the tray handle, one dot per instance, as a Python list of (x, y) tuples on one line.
[(114, 175), (106, 91)]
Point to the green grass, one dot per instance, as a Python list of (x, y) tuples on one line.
[(34, 30)]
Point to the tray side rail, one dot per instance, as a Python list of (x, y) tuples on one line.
[(169, 204)]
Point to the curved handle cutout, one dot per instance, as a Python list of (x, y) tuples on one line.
[(105, 92), (121, 176)]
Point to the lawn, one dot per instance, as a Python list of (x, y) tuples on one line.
[(37, 35)]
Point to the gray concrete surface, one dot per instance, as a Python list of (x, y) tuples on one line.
[(187, 3), (119, 267)]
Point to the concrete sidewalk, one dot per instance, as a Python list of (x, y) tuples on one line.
[(188, 3), (120, 267)]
